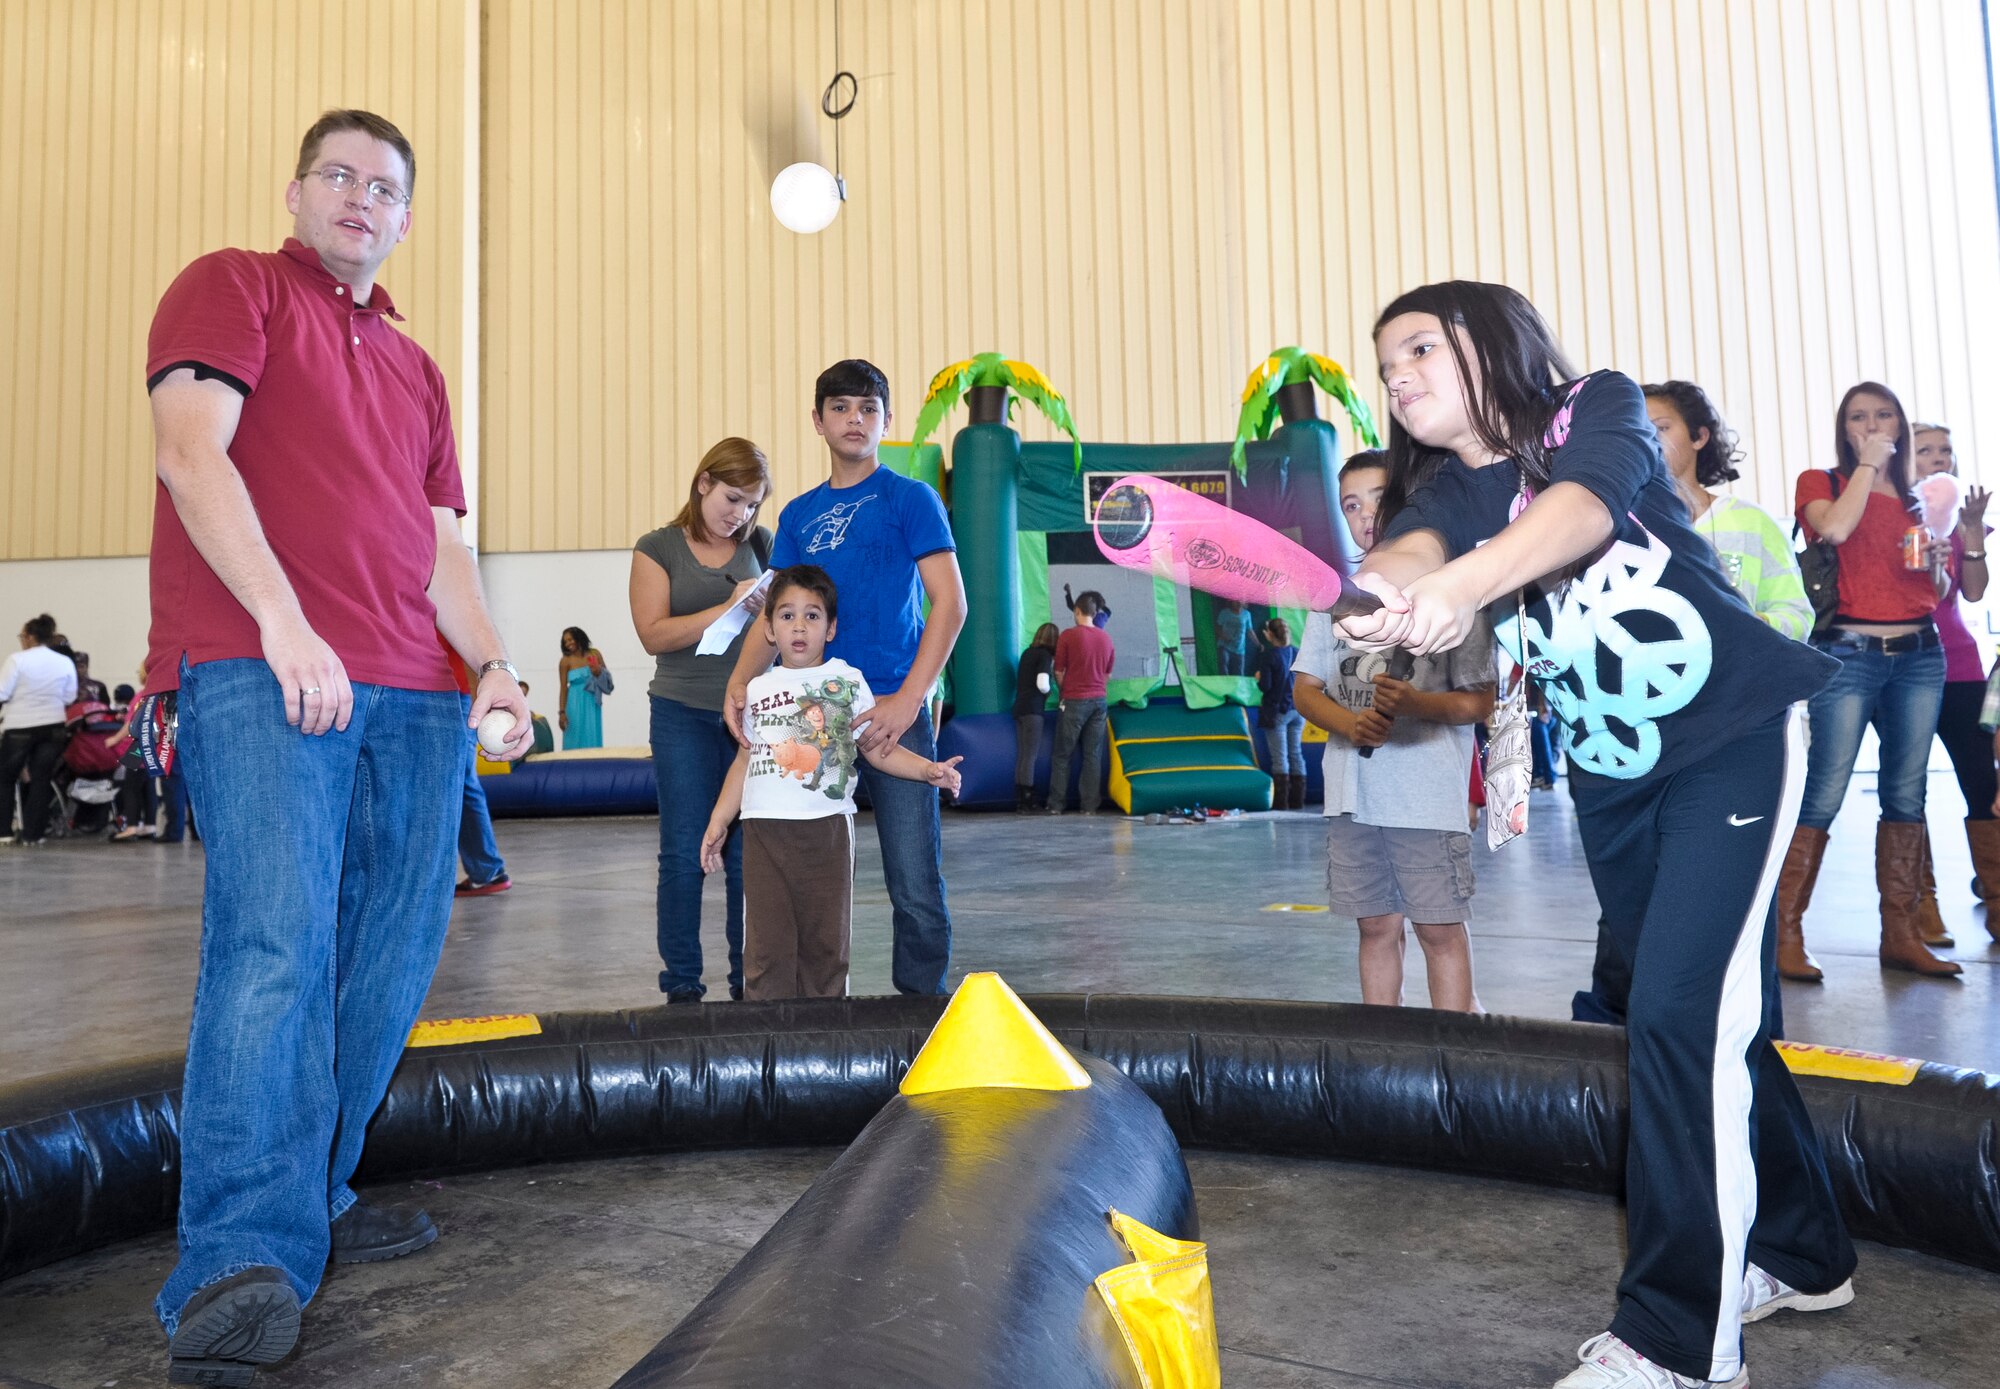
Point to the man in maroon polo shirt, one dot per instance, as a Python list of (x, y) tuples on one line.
[(306, 552), (1084, 657)]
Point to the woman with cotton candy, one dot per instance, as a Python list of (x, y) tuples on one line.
[(1954, 519)]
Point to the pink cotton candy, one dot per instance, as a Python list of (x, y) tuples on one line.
[(1940, 495)]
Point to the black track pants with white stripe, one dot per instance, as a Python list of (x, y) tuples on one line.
[(1722, 1163)]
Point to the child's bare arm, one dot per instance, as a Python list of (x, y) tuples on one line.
[(1399, 699), (899, 761), (728, 806)]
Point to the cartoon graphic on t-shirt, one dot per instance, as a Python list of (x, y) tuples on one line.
[(822, 738), (828, 530), (1615, 652)]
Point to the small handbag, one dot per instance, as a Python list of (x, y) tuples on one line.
[(1819, 566)]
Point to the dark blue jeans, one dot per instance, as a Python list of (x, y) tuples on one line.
[(174, 796), (476, 847), (328, 891), (906, 823), (692, 751), (1900, 695)]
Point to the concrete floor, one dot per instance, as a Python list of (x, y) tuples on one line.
[(565, 1275)]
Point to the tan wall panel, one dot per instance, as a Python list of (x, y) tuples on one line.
[(1143, 196), (138, 134), (1011, 188), (1140, 196)]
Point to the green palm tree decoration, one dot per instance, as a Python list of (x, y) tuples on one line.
[(991, 369), (1285, 367)]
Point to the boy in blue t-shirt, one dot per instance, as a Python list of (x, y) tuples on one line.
[(887, 543)]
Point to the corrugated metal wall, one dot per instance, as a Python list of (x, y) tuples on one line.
[(1773, 197), (137, 134)]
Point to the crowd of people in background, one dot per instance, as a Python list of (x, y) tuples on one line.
[(63, 742)]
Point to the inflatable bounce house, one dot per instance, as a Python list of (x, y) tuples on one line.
[(1182, 732)]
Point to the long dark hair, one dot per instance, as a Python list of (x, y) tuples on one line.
[(1714, 461), (1899, 465), (1045, 635), (1520, 366)]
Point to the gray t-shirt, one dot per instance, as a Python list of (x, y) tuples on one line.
[(698, 681), (1420, 777)]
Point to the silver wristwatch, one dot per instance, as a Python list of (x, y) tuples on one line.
[(501, 664)]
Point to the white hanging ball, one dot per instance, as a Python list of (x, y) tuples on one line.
[(805, 197)]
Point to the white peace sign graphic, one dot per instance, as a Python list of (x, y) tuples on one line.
[(1649, 686), (1613, 729)]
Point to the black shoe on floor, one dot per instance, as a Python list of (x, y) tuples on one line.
[(683, 995), (229, 1328), (735, 993), (367, 1234)]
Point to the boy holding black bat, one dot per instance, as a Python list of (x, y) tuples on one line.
[(1398, 757)]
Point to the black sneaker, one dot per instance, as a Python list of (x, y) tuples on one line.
[(367, 1234), (735, 993), (229, 1328), (684, 995)]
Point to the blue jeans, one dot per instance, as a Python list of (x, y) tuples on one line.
[(476, 849), (906, 822), (1899, 694), (1232, 660), (328, 892), (1285, 742), (174, 796), (692, 751)]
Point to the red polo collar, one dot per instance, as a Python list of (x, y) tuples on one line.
[(379, 301)]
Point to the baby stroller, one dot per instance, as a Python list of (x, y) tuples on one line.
[(86, 780)]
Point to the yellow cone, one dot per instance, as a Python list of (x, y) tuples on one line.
[(987, 1039)]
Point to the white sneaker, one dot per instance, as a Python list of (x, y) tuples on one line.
[(1764, 1294), (1608, 1363)]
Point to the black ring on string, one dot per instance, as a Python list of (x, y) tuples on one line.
[(829, 100)]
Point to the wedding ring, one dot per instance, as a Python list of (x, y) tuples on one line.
[(313, 690)]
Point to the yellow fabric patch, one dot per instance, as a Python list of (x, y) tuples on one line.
[(987, 1039), (1164, 1308), (1842, 1063), (1295, 907), (486, 766), (445, 1032)]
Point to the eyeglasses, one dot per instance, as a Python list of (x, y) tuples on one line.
[(341, 179)]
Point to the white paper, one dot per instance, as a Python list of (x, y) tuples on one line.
[(723, 630)]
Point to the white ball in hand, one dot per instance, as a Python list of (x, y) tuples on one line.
[(494, 730)]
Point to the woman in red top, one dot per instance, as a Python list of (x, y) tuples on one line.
[(1891, 675)]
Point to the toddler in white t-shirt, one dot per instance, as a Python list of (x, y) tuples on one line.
[(794, 786)]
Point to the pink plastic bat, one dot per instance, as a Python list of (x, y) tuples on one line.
[(1149, 524)]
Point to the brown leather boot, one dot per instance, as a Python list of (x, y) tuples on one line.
[(1984, 837), (1930, 922), (1899, 863), (1795, 886)]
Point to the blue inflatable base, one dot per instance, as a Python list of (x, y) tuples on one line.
[(589, 786)]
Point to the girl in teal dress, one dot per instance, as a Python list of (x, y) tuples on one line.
[(582, 714)]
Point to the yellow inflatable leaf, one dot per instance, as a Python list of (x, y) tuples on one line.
[(987, 1039), (1164, 1308)]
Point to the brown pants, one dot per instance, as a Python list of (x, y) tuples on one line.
[(798, 904)]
